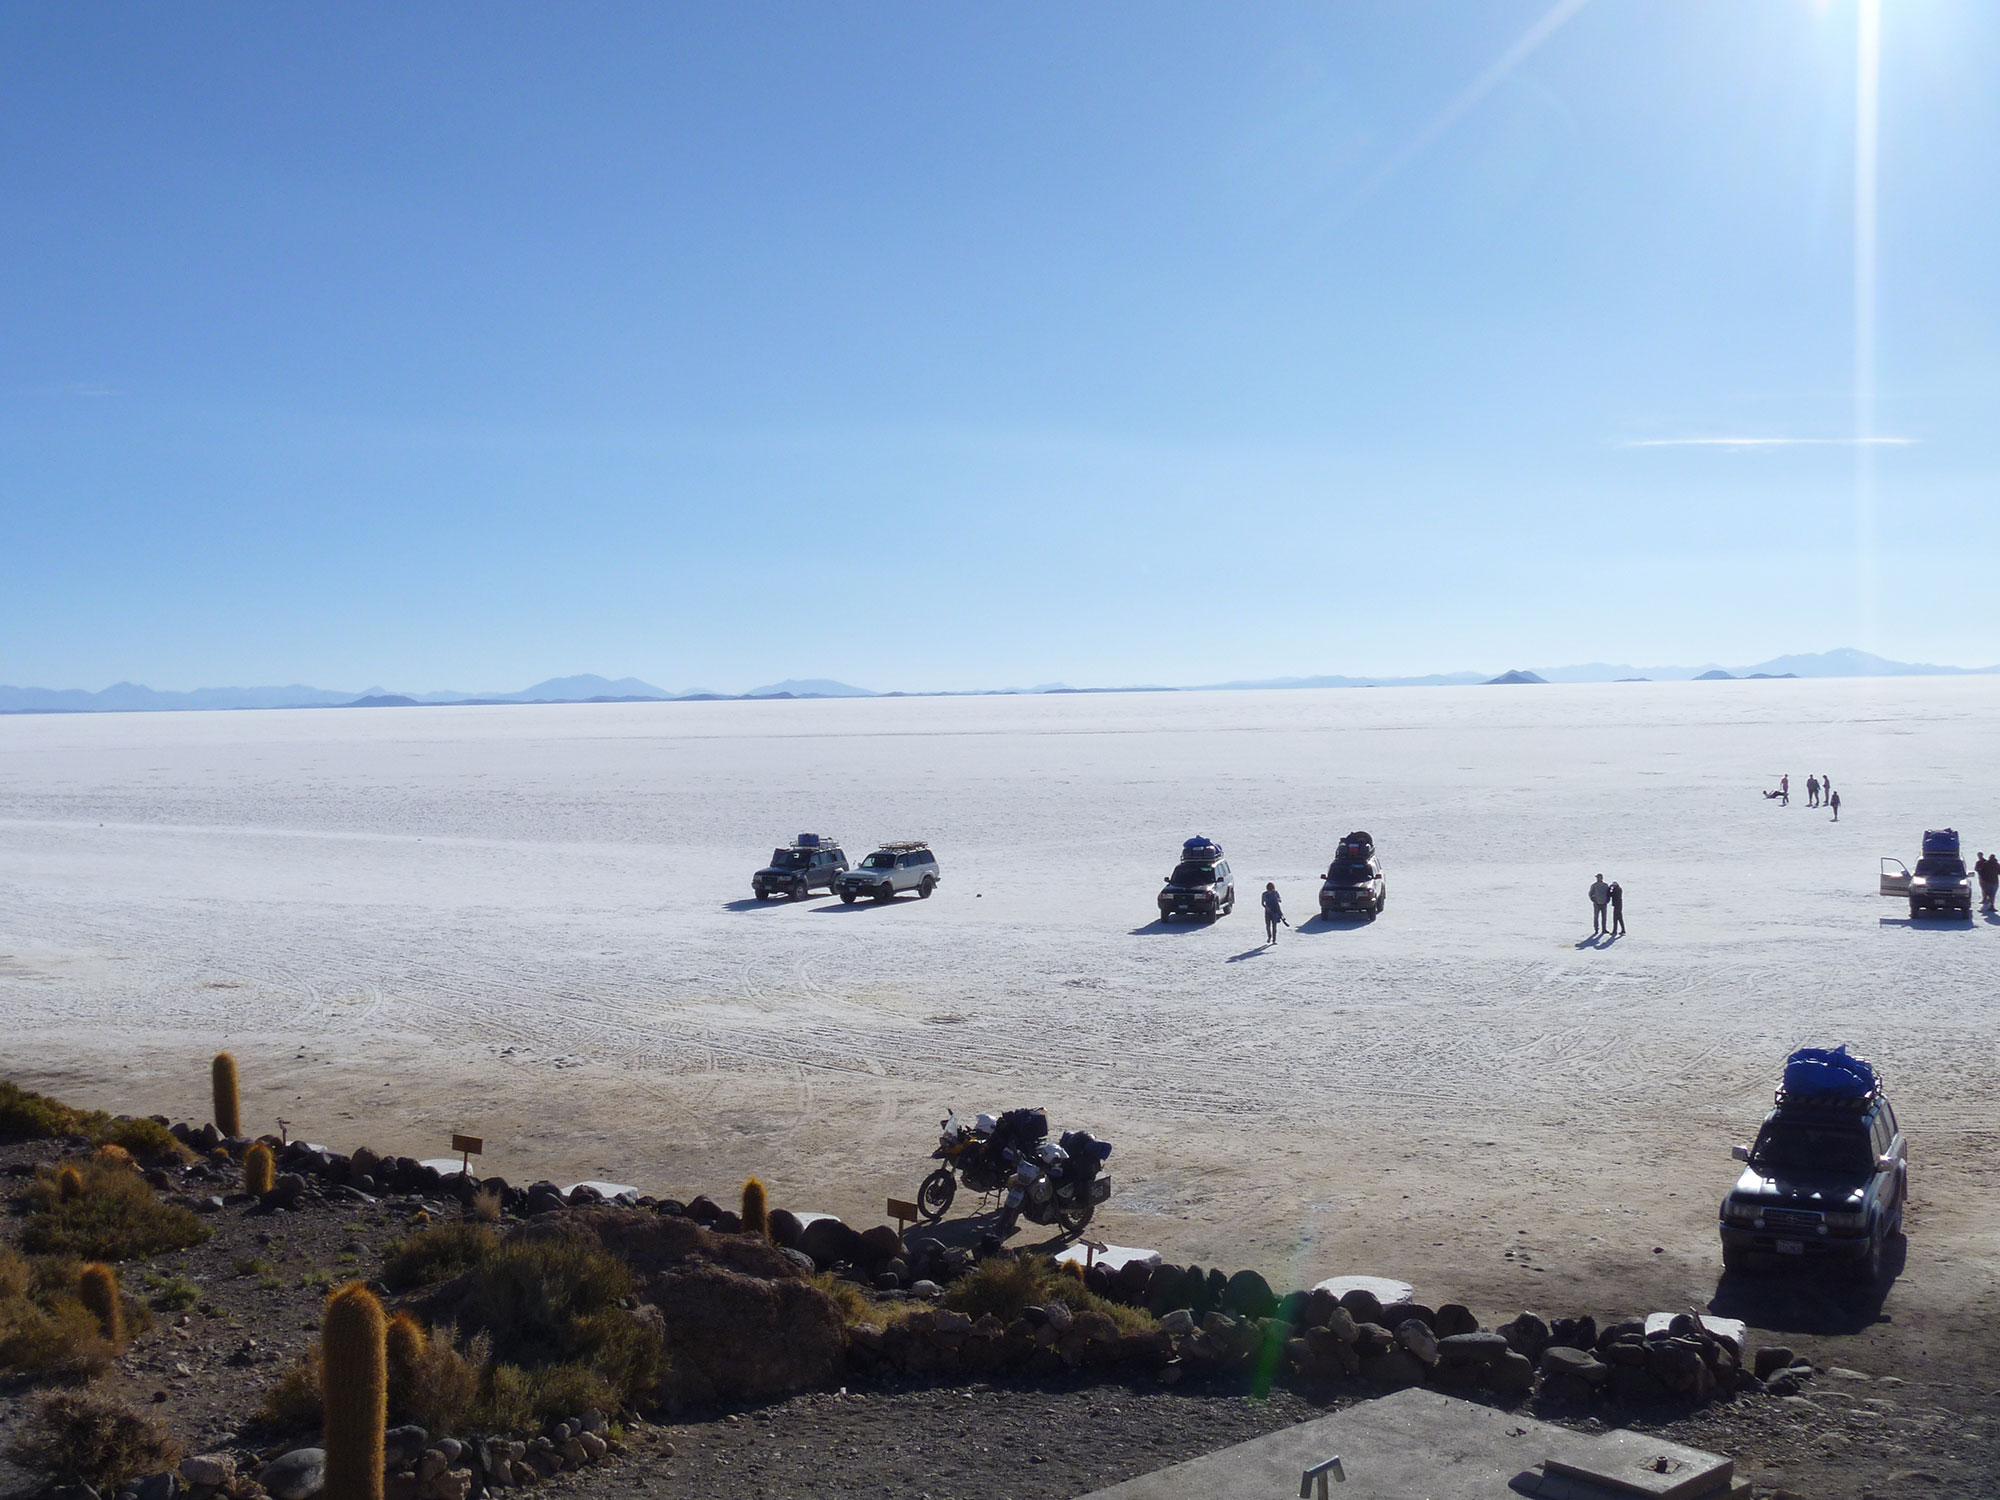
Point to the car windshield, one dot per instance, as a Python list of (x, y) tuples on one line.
[(1803, 1146), (1349, 871), (1192, 873), (789, 859), (881, 859), (1940, 864)]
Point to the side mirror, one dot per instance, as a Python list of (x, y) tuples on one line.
[(1885, 1163), (1740, 1153)]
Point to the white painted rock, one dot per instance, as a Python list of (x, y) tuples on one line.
[(1111, 1257), (1387, 1292), (1728, 1328)]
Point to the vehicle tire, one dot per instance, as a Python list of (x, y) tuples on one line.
[(847, 898), (1076, 1220), (926, 888), (1867, 1270), (935, 1195), (761, 896), (885, 893), (1735, 1260), (799, 892), (1381, 903)]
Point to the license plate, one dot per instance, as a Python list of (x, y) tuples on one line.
[(1791, 1247)]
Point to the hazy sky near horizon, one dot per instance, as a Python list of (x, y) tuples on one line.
[(460, 346)]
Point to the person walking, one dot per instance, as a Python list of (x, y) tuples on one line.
[(1987, 868), (1600, 898), (1274, 912), (1833, 801), (1785, 788), (1812, 791), (1617, 909)]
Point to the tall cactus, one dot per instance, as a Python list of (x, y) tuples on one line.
[(97, 1290), (355, 1391), (228, 1113), (260, 1170), (756, 1210), (406, 1343), (69, 1185)]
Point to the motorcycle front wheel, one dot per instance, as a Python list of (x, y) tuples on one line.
[(1074, 1221), (934, 1197)]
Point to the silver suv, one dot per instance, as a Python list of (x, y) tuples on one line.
[(892, 868)]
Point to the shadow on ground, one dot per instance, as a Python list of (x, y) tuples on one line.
[(1807, 1299)]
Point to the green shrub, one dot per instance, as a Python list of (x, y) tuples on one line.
[(118, 1217), (172, 1293), (437, 1254), (45, 1329), (148, 1140), (516, 1400), (1004, 1285), (293, 1401), (853, 1304), (81, 1436)]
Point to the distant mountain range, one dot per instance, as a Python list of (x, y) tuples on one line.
[(130, 697)]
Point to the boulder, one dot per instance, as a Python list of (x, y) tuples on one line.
[(1179, 1322), (1415, 1335), (1319, 1306), (1472, 1349), (878, 1246), (211, 1469), (828, 1242), (403, 1445), (1395, 1314), (1371, 1339), (785, 1228), (1363, 1304), (298, 1475), (1527, 1335), (1249, 1295), (1560, 1359), (1577, 1333), (1134, 1281), (1512, 1376), (1567, 1390), (1452, 1319), (1397, 1367), (1769, 1359), (703, 1209)]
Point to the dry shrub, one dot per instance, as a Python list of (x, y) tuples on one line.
[(849, 1300), (45, 1329), (486, 1205), (117, 1217), (293, 1400), (28, 1116), (444, 1396), (554, 1298), (516, 1400), (435, 1254), (1004, 1285), (84, 1437)]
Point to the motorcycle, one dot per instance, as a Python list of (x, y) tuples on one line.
[(1058, 1183), (970, 1152)]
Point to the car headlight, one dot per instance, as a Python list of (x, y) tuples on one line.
[(1741, 1210), (1848, 1221)]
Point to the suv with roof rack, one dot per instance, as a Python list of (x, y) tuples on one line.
[(1827, 1178), (892, 868), (811, 862)]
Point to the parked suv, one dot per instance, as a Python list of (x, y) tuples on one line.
[(1200, 885), (812, 862), (892, 868), (1940, 884), (1354, 880), (1826, 1180)]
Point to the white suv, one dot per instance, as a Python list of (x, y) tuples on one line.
[(892, 868)]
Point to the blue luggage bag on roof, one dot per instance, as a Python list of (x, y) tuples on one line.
[(1818, 1072), (1940, 841)]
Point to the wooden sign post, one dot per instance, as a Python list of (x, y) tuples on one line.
[(468, 1146), (903, 1213)]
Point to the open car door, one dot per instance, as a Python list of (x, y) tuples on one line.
[(1895, 878)]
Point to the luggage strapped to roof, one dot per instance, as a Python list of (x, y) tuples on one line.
[(1830, 1078)]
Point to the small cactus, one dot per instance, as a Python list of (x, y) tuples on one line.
[(228, 1113), (756, 1211), (406, 1343), (69, 1185), (97, 1290), (260, 1171), (355, 1382)]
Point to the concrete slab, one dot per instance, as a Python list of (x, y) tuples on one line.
[(1386, 1290), (1420, 1445), (1111, 1257), (447, 1166), (609, 1189)]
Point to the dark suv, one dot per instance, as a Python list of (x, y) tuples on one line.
[(810, 863), (1200, 886), (1826, 1180), (1354, 882)]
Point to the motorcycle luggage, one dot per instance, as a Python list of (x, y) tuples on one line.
[(1816, 1072), (1940, 841)]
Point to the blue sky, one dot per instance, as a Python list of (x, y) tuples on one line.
[(919, 346)]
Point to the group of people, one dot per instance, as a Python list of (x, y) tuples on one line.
[(1819, 793), (1607, 908), (1987, 868)]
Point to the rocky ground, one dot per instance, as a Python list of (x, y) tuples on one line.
[(230, 1313)]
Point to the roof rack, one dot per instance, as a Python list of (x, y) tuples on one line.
[(1833, 1104), (906, 846)]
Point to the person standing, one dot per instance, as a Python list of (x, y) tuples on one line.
[(1617, 909), (1833, 801), (1600, 898), (1987, 868), (1785, 788), (1812, 791), (1274, 912)]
